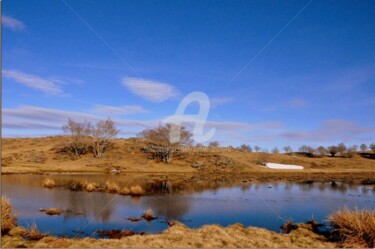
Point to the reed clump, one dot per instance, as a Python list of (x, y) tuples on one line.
[(8, 220), (354, 227), (32, 233), (148, 215), (92, 186), (112, 187), (124, 191), (49, 183), (136, 191)]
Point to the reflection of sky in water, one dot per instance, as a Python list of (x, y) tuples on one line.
[(262, 205)]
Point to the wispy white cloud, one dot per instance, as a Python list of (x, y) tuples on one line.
[(33, 118), (34, 81), (119, 110), (149, 89), (217, 101), (12, 23), (38, 119)]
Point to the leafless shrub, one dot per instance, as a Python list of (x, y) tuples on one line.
[(163, 142), (103, 133), (78, 138)]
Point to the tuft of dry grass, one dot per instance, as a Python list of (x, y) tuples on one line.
[(32, 233), (112, 187), (90, 187), (288, 226), (354, 227), (8, 220), (51, 211), (148, 215), (124, 191), (49, 183), (136, 191)]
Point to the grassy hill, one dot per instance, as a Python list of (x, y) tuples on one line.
[(41, 155)]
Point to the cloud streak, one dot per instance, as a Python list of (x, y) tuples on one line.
[(12, 23), (220, 101), (149, 89), (33, 81), (119, 110)]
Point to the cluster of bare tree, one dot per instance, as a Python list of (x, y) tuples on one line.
[(340, 149), (161, 145), (84, 137)]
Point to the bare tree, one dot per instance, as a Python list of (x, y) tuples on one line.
[(246, 148), (372, 147), (321, 151), (353, 148), (163, 146), (332, 150), (102, 134), (307, 149), (78, 135), (214, 144), (287, 149), (341, 148), (363, 147), (275, 150), (257, 148)]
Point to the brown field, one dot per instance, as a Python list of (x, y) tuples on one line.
[(40, 156)]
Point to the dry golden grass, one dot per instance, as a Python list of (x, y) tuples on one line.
[(49, 183), (127, 156), (8, 220), (112, 187), (354, 227), (180, 236), (136, 190), (32, 233)]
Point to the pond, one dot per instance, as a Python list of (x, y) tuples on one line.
[(265, 205)]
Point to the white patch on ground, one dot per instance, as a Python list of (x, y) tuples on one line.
[(282, 166)]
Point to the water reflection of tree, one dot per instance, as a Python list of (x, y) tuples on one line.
[(170, 206), (97, 205)]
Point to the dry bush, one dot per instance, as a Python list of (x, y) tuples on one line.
[(49, 183), (92, 186), (8, 220), (124, 191), (354, 227), (136, 190), (112, 187)]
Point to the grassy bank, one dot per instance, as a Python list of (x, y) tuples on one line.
[(351, 229), (41, 156)]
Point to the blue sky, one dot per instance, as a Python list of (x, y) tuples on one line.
[(276, 72)]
